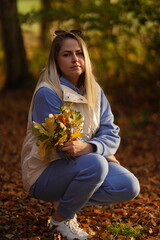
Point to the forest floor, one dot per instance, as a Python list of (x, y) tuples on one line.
[(23, 217)]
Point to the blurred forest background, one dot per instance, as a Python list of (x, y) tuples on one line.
[(123, 38), (124, 44)]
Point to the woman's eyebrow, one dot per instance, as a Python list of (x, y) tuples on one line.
[(66, 51), (78, 50)]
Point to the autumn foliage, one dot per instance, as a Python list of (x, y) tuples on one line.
[(124, 43), (56, 130), (23, 217)]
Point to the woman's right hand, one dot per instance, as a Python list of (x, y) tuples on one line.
[(77, 148)]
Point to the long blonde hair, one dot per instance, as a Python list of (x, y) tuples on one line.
[(51, 73)]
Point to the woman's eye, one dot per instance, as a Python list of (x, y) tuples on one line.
[(66, 54), (80, 53)]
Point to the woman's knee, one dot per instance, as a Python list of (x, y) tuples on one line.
[(100, 166), (131, 187), (123, 181), (94, 165)]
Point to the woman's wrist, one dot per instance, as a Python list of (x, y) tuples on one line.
[(91, 147)]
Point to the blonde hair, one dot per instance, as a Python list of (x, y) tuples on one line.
[(51, 74)]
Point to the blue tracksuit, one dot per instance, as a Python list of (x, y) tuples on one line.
[(89, 179)]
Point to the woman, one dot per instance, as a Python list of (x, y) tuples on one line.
[(95, 177)]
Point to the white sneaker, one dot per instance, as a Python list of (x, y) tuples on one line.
[(69, 229)]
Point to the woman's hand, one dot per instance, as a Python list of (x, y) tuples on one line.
[(77, 148), (112, 158)]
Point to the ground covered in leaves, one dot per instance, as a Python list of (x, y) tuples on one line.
[(22, 217)]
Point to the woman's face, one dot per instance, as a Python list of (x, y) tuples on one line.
[(71, 60)]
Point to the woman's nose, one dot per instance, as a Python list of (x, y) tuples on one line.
[(74, 58)]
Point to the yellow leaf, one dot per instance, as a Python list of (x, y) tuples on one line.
[(50, 125), (62, 140), (42, 148), (40, 128), (9, 236), (68, 123), (76, 135)]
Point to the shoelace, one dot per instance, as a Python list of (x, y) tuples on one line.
[(73, 225), (51, 221)]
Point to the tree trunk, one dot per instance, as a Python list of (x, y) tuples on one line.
[(46, 5), (17, 73)]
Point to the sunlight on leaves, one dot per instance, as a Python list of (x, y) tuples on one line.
[(56, 130)]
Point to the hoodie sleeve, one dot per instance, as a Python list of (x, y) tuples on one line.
[(106, 139), (45, 102)]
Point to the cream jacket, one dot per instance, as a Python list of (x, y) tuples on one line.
[(32, 164)]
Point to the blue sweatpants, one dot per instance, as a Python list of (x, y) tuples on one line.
[(87, 180)]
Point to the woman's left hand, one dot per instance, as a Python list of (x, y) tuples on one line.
[(112, 158), (77, 148)]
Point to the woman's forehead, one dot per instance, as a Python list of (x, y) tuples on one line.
[(70, 44)]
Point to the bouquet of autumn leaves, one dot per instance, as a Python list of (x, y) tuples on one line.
[(56, 130)]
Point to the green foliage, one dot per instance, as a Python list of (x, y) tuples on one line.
[(124, 41)]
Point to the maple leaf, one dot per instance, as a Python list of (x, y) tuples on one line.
[(76, 135)]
